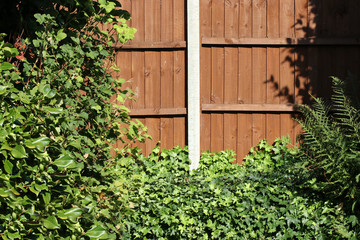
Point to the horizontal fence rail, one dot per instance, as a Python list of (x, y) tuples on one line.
[(152, 45), (281, 41), (158, 112), (249, 108)]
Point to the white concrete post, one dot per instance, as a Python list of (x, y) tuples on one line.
[(193, 61)]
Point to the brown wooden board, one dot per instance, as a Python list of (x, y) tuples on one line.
[(231, 73), (205, 74), (179, 72)]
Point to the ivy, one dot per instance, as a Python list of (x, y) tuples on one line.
[(221, 200), (58, 122)]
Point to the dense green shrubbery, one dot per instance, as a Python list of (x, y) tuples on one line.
[(221, 200), (58, 178)]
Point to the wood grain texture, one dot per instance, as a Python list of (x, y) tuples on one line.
[(152, 45), (217, 96), (157, 111), (277, 41), (231, 73), (205, 74), (273, 71), (250, 108), (179, 97)]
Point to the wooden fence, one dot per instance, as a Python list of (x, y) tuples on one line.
[(258, 59)]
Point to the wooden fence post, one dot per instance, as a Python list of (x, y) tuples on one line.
[(193, 81)]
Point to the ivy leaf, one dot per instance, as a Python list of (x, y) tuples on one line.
[(51, 223), (61, 35), (46, 197), (8, 166), (97, 232), (18, 152), (52, 110), (10, 52), (3, 89), (38, 143), (71, 214), (65, 161), (6, 66)]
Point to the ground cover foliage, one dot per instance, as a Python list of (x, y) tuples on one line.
[(257, 200), (58, 178)]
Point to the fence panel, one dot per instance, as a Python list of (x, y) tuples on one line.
[(260, 57), (154, 65)]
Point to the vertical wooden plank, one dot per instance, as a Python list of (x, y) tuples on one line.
[(217, 96), (287, 25), (232, 18), (259, 18), (301, 16), (138, 19), (218, 18), (152, 20), (179, 97), (272, 95), (273, 74), (287, 87), (230, 96), (205, 73), (259, 70), (301, 71), (244, 137), (273, 18), (179, 72), (313, 63), (259, 93), (152, 95), (231, 73), (314, 10), (217, 80), (138, 60), (138, 79), (328, 17), (245, 22), (152, 69), (167, 20), (301, 63), (167, 77), (179, 20), (167, 98)]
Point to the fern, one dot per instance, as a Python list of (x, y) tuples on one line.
[(330, 144)]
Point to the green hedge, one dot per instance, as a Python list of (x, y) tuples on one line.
[(221, 200)]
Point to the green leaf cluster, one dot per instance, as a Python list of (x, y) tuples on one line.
[(330, 146), (221, 200), (58, 123)]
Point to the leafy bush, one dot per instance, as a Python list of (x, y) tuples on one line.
[(222, 200), (57, 123), (330, 146)]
